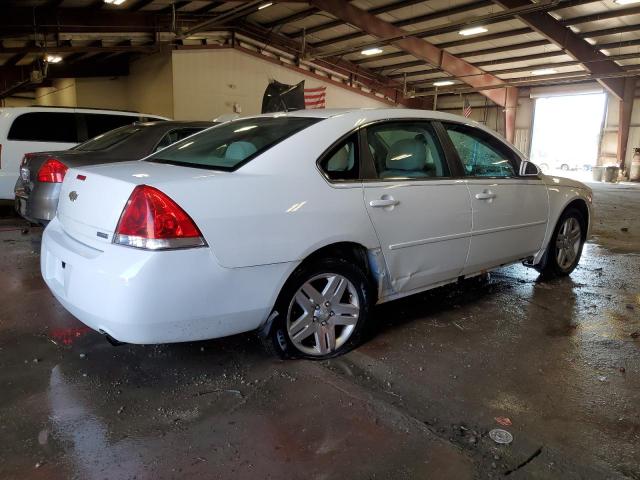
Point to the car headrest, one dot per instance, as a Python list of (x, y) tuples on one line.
[(238, 151), (342, 160), (407, 154)]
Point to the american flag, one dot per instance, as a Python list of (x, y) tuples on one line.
[(315, 97), (466, 108)]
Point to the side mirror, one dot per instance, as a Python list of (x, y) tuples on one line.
[(528, 169)]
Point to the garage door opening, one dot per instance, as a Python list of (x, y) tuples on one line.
[(566, 132)]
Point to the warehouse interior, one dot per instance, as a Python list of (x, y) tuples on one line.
[(556, 364)]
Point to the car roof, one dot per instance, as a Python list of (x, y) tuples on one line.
[(367, 115), (178, 123), (19, 110)]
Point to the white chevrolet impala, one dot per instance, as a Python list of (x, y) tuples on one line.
[(296, 224)]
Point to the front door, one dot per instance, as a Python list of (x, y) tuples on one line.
[(421, 214), (510, 212)]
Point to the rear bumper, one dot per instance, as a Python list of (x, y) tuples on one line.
[(38, 205), (143, 297)]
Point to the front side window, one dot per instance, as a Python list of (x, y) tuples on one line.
[(45, 127), (174, 136), (480, 154), (230, 145), (342, 162), (406, 150)]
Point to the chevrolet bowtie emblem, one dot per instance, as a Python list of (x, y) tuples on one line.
[(73, 196)]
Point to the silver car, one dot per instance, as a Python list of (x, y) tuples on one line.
[(41, 174)]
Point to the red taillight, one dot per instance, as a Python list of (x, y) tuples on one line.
[(152, 220), (52, 171)]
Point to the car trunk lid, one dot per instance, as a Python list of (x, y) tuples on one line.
[(92, 198)]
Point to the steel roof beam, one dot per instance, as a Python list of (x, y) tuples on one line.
[(621, 12), (139, 4), (594, 61), (399, 23), (419, 48), (291, 18), (446, 12), (411, 21)]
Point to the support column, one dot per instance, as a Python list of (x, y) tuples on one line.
[(510, 109), (626, 107)]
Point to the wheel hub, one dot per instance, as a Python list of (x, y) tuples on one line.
[(322, 314)]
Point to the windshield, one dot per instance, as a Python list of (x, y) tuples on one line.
[(109, 139), (232, 144)]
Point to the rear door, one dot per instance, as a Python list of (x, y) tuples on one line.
[(421, 212), (509, 212)]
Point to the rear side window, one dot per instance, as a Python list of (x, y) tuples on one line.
[(406, 150), (98, 123), (342, 162), (174, 136), (45, 127), (109, 139), (232, 144)]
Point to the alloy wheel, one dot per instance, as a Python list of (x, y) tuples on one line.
[(568, 242), (323, 314)]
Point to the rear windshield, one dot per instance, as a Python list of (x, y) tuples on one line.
[(109, 139), (230, 145)]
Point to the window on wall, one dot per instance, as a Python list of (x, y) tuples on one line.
[(406, 150), (480, 154)]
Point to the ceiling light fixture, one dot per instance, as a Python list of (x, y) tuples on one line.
[(472, 31), (443, 83), (265, 5), (371, 51), (53, 58), (626, 2), (115, 2), (544, 71)]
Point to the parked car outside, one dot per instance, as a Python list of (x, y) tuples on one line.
[(296, 224), (565, 164), (38, 186), (34, 129)]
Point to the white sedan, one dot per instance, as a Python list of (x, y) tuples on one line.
[(296, 224)]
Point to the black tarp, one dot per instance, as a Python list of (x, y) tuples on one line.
[(279, 97)]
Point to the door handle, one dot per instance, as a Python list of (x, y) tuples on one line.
[(384, 202), (486, 195)]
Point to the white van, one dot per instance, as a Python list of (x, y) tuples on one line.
[(36, 129)]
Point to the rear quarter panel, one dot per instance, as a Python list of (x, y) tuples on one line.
[(278, 207)]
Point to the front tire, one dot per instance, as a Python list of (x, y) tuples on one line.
[(322, 311), (565, 246)]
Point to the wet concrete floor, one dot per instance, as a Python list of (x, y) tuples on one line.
[(559, 359)]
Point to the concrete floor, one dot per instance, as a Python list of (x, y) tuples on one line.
[(559, 359)]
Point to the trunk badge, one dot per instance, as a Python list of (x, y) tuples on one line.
[(73, 196), (81, 177)]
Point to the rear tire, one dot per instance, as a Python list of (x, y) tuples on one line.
[(322, 311), (565, 245)]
